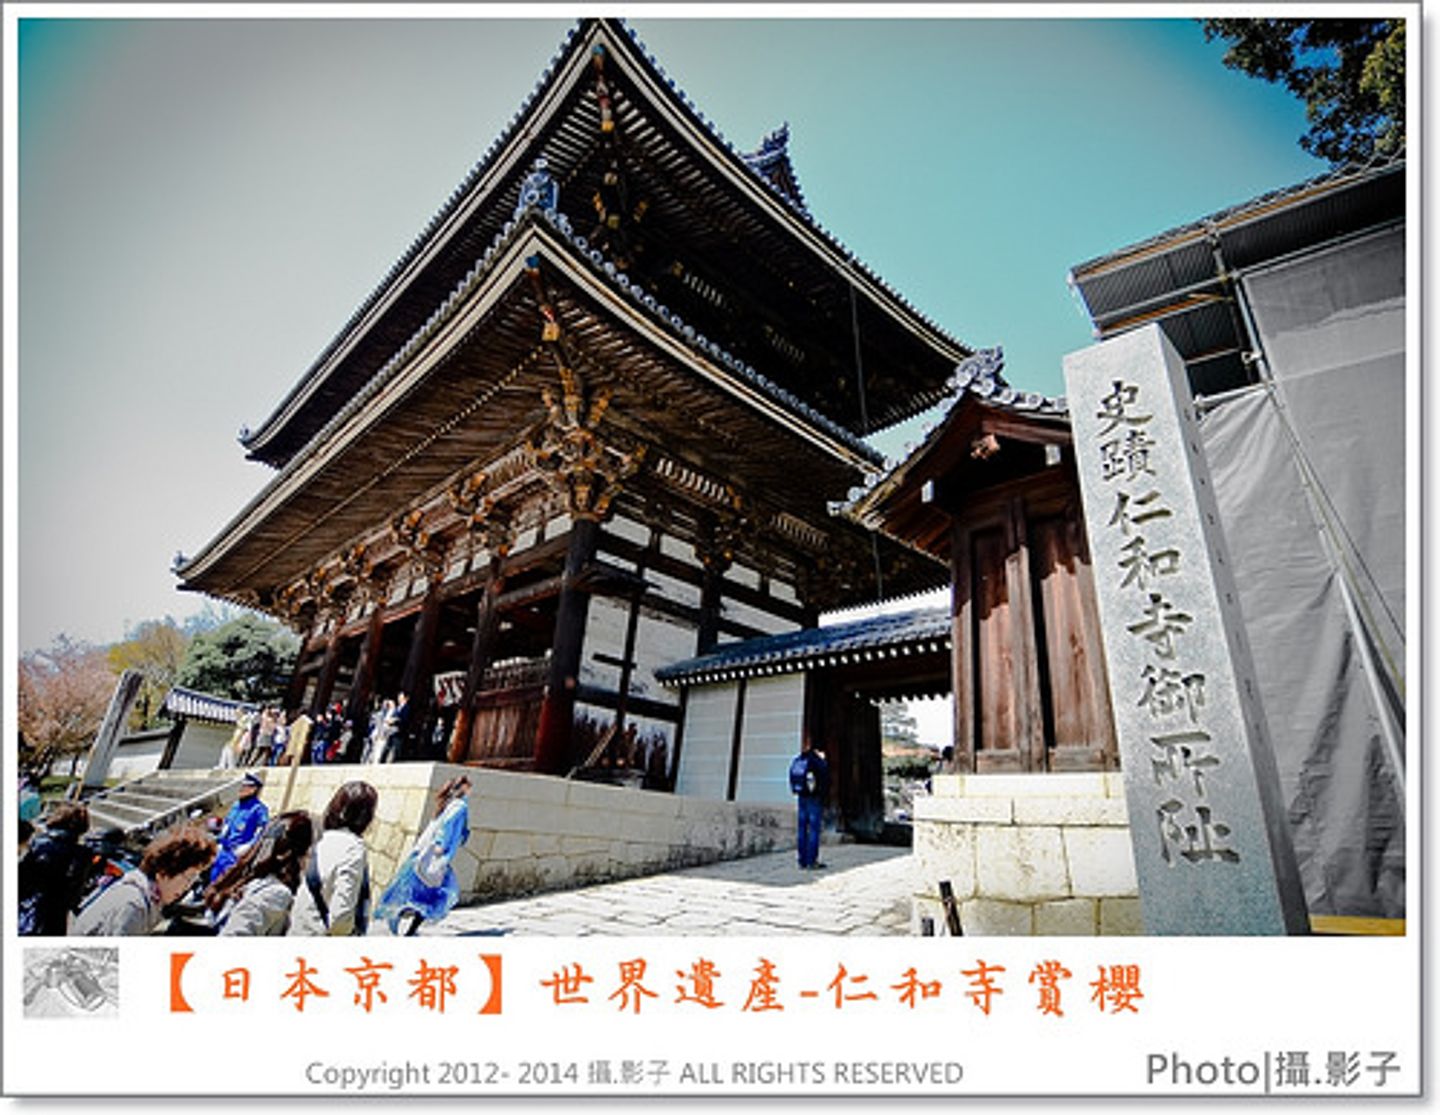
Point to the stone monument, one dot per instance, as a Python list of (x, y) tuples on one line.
[(1213, 853)]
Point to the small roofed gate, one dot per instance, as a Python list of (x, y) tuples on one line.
[(994, 492), (836, 677)]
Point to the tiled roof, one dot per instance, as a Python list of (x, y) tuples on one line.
[(617, 279), (979, 376), (760, 164), (527, 215), (795, 204), (882, 637), (982, 375), (195, 705)]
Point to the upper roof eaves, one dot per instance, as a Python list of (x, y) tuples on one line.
[(529, 215), (754, 164)]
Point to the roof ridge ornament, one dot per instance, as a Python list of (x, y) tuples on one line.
[(982, 372), (771, 161), (539, 189)]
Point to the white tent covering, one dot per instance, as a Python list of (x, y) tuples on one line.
[(1309, 470)]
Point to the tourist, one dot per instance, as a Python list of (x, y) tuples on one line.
[(340, 748), (396, 723), (134, 903), (425, 888), (810, 782), (233, 751), (52, 876), (279, 740), (253, 898), (335, 897), (380, 727), (243, 825), (319, 738), (262, 738)]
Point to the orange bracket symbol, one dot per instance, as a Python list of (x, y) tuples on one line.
[(492, 962), (178, 1005)]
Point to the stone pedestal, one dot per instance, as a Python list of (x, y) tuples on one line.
[(1026, 855)]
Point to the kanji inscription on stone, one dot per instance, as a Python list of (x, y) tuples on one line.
[(1213, 852)]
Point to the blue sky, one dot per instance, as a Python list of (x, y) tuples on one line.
[(203, 203)]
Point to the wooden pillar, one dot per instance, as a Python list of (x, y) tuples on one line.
[(329, 668), (357, 708), (962, 652), (557, 712), (482, 653), (1030, 717), (419, 664), (710, 592), (296, 692), (673, 775)]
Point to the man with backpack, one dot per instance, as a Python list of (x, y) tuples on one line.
[(810, 783)]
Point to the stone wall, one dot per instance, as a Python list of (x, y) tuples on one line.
[(1027, 855), (532, 832)]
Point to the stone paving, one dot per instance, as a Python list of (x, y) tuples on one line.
[(865, 890)]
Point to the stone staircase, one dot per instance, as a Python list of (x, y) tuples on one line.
[(151, 803)]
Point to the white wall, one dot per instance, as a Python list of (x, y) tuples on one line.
[(774, 722), (660, 640), (605, 626), (705, 746)]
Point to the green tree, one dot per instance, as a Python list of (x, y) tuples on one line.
[(156, 648), (1349, 72), (63, 692), (249, 658)]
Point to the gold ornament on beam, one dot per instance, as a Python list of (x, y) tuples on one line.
[(571, 457), (468, 500), (425, 552), (294, 606)]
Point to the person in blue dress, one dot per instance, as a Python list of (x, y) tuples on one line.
[(243, 825), (425, 887)]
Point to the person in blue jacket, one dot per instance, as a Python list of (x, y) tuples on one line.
[(425, 887), (810, 782), (243, 825)]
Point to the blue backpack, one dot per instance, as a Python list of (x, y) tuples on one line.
[(802, 781)]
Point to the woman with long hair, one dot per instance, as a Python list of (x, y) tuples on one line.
[(334, 899), (254, 897), (425, 887)]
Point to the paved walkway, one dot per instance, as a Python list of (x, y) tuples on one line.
[(864, 890)]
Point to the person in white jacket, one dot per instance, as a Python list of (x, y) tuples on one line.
[(254, 897), (334, 894)]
